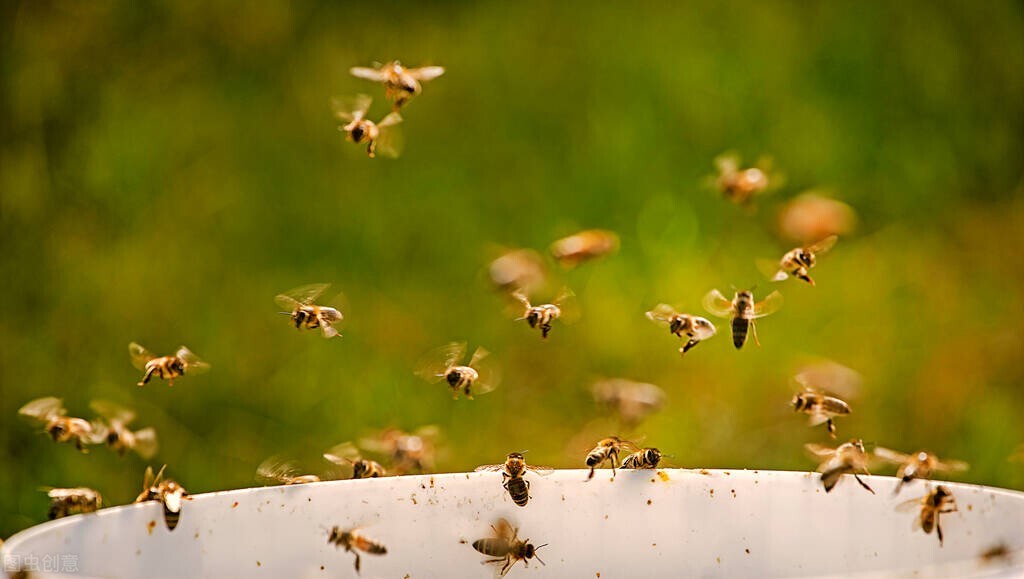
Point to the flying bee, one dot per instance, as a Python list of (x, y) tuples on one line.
[(695, 328), (307, 315), (168, 492), (166, 367), (50, 411), (820, 407), (470, 379), (584, 246), (741, 185), (645, 458), (798, 261), (408, 452), (121, 438), (937, 502), (607, 450), (512, 472), (382, 135), (346, 453), (506, 547), (354, 541), (401, 84), (631, 401), (743, 310), (277, 470), (848, 458), (517, 269), (66, 502), (541, 316), (921, 465)]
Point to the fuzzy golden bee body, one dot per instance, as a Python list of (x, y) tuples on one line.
[(740, 185), (743, 310), (541, 316), (168, 492), (381, 136), (937, 502), (442, 363), (73, 501), (118, 436), (355, 542), (61, 428), (645, 458), (506, 547), (401, 84), (798, 261), (584, 246), (847, 458), (306, 315), (165, 367), (607, 450), (820, 407), (694, 329), (920, 465), (512, 475)]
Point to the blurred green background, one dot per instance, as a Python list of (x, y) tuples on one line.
[(166, 168)]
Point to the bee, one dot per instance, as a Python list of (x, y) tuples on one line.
[(797, 261), (277, 470), (517, 269), (820, 407), (66, 502), (810, 217), (848, 458), (50, 411), (506, 546), (347, 453), (743, 310), (937, 502), (695, 328), (645, 458), (631, 401), (408, 452), (584, 246), (607, 450), (921, 465), (305, 314), (168, 492), (354, 541), (166, 367), (741, 185), (117, 434), (382, 135), (400, 84), (541, 316), (512, 471), (469, 379)]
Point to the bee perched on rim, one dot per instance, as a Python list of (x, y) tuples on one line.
[(937, 502), (743, 310), (165, 367), (644, 458), (305, 314), (920, 465), (168, 492), (50, 411), (798, 261), (442, 363), (506, 547), (695, 329), (607, 450), (277, 470), (346, 453), (584, 246), (118, 436), (66, 502), (401, 84), (847, 458), (382, 135), (512, 471), (542, 315), (354, 541)]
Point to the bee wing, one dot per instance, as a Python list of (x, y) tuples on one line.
[(952, 466), (727, 163), (478, 355), (112, 411), (43, 408), (302, 294), (432, 366), (391, 141), (504, 529), (329, 331), (276, 469), (890, 456), (661, 313), (139, 355), (909, 505), (490, 375), (366, 73), (540, 470), (769, 268), (490, 468), (769, 305), (193, 364), (716, 303), (824, 245), (426, 72), (819, 451), (817, 418), (146, 443), (831, 377), (568, 304), (343, 454)]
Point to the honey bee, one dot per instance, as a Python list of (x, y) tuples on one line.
[(645, 458), (541, 316), (695, 328), (305, 314), (470, 379), (354, 541), (584, 246), (166, 367), (50, 411), (400, 84), (346, 453), (408, 452), (820, 407), (168, 492), (512, 472), (517, 269), (66, 502), (921, 465), (797, 261), (117, 434), (937, 502), (743, 310), (631, 401), (741, 185), (607, 450), (382, 135), (506, 546), (277, 470), (848, 458)]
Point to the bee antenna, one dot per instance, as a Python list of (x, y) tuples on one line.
[(536, 556), (285, 313)]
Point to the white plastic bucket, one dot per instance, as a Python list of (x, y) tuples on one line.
[(666, 523)]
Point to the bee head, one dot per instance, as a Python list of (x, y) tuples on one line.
[(56, 430), (533, 317), (453, 376), (652, 455), (676, 325), (177, 366), (357, 133)]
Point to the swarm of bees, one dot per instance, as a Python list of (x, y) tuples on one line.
[(506, 548)]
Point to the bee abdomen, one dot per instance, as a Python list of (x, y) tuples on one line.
[(493, 547), (171, 518), (835, 406), (518, 491), (739, 331)]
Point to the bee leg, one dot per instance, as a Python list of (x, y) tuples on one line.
[(149, 375), (831, 428), (753, 331), (863, 484), (591, 475), (803, 275), (544, 330), (938, 530), (358, 563), (371, 149)]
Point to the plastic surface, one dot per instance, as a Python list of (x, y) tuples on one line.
[(666, 523)]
